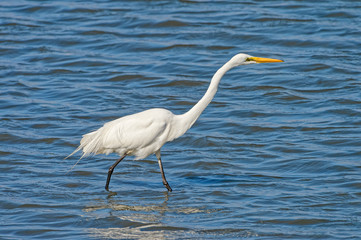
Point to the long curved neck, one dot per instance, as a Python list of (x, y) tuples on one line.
[(192, 115)]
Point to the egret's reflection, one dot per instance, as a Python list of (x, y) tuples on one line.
[(144, 219)]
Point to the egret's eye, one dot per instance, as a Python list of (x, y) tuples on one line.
[(248, 60)]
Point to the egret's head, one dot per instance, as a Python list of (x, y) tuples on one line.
[(243, 59)]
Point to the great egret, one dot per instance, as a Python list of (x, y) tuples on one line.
[(144, 133)]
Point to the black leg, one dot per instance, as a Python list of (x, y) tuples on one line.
[(111, 169), (165, 183)]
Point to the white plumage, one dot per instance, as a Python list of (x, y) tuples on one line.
[(139, 134), (144, 133)]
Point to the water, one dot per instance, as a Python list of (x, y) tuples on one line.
[(276, 155)]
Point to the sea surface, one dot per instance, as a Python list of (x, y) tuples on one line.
[(276, 155)]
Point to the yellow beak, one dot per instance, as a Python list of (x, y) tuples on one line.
[(264, 60)]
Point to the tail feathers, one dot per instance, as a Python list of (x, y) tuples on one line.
[(76, 162), (90, 144), (76, 150)]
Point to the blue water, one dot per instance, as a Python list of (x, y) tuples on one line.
[(276, 155)]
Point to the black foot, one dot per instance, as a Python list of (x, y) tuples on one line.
[(168, 187)]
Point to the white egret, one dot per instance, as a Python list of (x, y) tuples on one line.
[(144, 133)]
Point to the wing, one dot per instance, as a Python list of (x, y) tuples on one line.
[(135, 131), (139, 134)]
